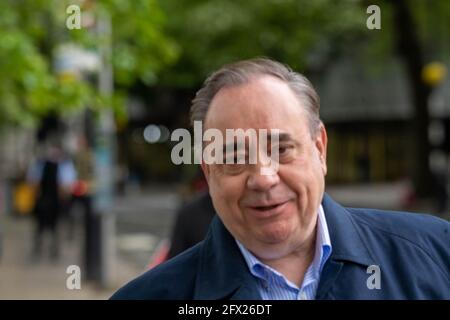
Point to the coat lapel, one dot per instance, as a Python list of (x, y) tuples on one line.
[(222, 271), (348, 247)]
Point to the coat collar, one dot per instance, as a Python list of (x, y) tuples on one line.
[(348, 246), (223, 273), (347, 243)]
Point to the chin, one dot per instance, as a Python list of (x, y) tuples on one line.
[(275, 233), (272, 251)]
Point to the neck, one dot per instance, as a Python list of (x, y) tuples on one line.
[(294, 265)]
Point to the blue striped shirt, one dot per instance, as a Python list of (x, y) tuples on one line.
[(272, 285)]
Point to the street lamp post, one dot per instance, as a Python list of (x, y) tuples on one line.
[(105, 156)]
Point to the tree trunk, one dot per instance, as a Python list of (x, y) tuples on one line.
[(408, 45)]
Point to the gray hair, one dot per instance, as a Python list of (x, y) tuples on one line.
[(242, 72)]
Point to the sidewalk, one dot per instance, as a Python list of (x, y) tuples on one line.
[(22, 279), (384, 196)]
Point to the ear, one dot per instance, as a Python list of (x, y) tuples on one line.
[(321, 141)]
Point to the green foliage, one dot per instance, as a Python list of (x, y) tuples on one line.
[(177, 43), (31, 30), (211, 33), (140, 47), (433, 23)]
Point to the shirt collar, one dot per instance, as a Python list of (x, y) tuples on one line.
[(323, 242), (322, 252)]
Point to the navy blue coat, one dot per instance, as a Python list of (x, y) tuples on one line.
[(411, 250)]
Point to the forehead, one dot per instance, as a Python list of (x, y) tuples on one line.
[(263, 103)]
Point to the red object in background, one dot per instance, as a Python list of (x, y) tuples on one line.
[(80, 188), (160, 254), (200, 184)]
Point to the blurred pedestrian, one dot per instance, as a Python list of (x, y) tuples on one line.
[(52, 176), (82, 197), (192, 223)]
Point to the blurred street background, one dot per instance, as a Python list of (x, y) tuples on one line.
[(90, 92)]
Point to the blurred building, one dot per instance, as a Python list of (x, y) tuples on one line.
[(368, 117)]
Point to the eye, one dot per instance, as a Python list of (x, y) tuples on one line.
[(285, 152), (234, 163), (284, 149), (233, 169), (235, 157)]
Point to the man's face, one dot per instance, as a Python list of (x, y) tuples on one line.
[(272, 215)]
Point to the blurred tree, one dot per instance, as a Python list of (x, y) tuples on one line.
[(32, 30), (309, 36), (416, 44), (304, 34)]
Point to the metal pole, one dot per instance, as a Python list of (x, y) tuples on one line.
[(105, 157)]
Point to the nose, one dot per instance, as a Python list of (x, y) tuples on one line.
[(257, 181)]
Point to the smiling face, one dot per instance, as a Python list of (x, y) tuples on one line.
[(272, 215)]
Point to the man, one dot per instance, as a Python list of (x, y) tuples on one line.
[(278, 235), (53, 177)]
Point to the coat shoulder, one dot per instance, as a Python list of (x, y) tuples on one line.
[(407, 225), (171, 280), (425, 233)]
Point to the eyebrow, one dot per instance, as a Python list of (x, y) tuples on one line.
[(282, 137), (232, 146)]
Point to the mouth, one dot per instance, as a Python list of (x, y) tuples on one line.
[(268, 210)]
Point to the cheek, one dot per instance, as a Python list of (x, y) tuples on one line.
[(305, 179), (298, 175), (226, 190)]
